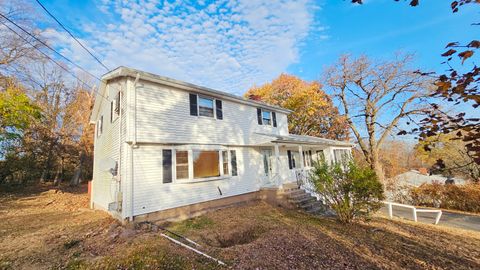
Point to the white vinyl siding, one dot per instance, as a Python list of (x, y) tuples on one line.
[(150, 194), (107, 146), (173, 124)]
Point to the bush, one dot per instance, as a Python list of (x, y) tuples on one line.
[(457, 197), (351, 190)]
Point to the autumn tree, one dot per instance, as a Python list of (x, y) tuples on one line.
[(456, 159), (458, 86), (375, 96), (17, 113), (313, 111)]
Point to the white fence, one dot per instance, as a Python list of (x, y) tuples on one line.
[(414, 211)]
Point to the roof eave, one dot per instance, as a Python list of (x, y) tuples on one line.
[(130, 72)]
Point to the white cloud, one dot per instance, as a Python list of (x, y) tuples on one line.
[(227, 45)]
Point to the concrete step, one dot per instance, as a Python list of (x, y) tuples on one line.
[(311, 205), (290, 186), (317, 210), (299, 196), (293, 193), (303, 200)]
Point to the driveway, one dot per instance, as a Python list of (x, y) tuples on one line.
[(450, 219)]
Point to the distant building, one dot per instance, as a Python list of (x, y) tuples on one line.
[(416, 178)]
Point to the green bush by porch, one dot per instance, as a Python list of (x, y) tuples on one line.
[(351, 190)]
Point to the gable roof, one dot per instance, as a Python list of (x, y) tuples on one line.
[(146, 76)]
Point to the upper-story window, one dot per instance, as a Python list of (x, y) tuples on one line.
[(266, 117), (100, 126), (205, 106)]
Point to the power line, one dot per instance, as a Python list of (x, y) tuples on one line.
[(51, 59), (46, 45), (70, 33)]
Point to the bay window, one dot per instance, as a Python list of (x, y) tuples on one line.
[(225, 162)]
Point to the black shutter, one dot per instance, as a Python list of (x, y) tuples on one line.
[(111, 112), (233, 158), (290, 165), (167, 166), (274, 117), (193, 105), (218, 107), (259, 116)]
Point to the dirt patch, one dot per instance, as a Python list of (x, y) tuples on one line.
[(232, 238)]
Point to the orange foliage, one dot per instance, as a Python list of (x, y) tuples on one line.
[(313, 111)]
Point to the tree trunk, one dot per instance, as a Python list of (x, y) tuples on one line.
[(57, 179), (377, 166), (78, 171)]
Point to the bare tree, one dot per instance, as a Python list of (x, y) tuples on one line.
[(17, 48), (375, 97)]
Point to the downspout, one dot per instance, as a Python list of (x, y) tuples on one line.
[(119, 172), (134, 142)]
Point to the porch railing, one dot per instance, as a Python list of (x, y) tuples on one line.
[(304, 182)]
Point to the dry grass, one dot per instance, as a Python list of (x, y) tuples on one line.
[(48, 230)]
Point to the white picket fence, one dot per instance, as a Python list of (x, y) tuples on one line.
[(414, 211)]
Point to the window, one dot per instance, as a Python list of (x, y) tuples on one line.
[(320, 155), (225, 162), (266, 118), (117, 104), (341, 154), (293, 158), (100, 126), (233, 158), (205, 106), (182, 164), (205, 164), (167, 165), (111, 112)]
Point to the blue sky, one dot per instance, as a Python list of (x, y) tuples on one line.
[(233, 45)]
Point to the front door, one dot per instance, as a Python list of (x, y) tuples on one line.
[(267, 163)]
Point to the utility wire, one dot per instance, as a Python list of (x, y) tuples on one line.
[(51, 59), (70, 33), (48, 46)]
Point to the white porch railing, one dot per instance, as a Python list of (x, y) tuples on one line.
[(414, 211), (303, 182)]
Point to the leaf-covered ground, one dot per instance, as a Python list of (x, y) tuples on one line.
[(45, 229)]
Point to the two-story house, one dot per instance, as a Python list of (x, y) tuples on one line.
[(166, 148)]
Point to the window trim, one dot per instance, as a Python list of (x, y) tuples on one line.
[(272, 122), (191, 179)]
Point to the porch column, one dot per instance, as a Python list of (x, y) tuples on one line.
[(300, 150), (277, 158)]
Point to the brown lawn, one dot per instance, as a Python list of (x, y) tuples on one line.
[(44, 229)]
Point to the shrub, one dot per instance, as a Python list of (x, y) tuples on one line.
[(457, 197), (351, 190)]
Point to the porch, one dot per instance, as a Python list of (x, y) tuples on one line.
[(289, 159)]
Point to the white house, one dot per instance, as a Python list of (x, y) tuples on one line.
[(165, 148)]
